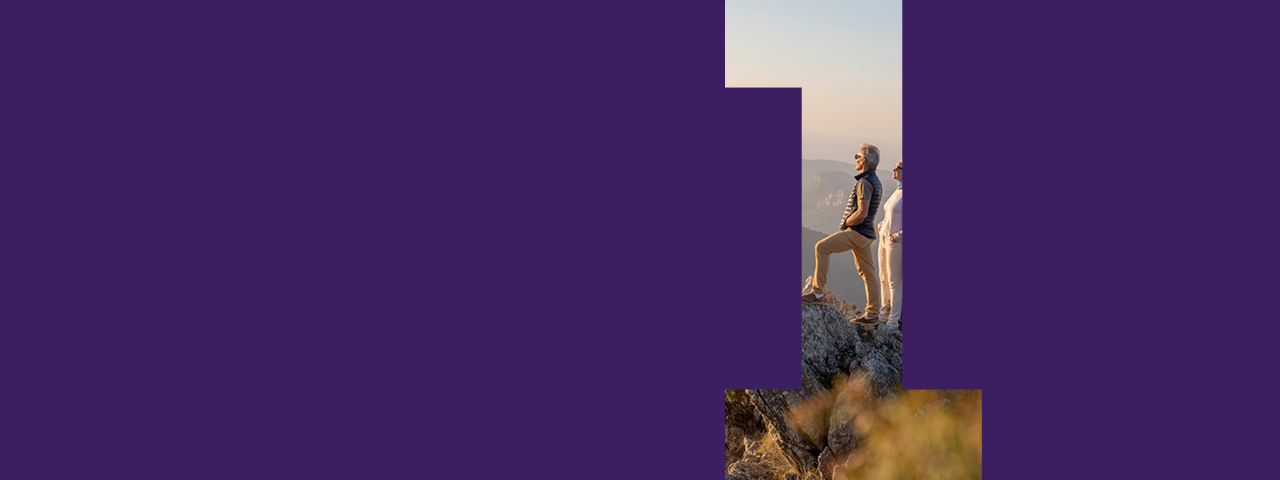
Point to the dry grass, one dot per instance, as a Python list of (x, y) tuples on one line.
[(767, 453), (915, 434), (923, 434)]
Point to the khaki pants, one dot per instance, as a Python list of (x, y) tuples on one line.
[(843, 241), (891, 280)]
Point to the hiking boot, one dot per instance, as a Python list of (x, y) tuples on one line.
[(863, 320), (812, 299)]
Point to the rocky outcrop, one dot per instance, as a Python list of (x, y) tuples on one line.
[(742, 424), (747, 471), (844, 366)]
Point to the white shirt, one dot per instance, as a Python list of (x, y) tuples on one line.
[(892, 222)]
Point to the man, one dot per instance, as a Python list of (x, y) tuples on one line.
[(857, 232)]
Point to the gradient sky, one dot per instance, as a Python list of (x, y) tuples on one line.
[(845, 55)]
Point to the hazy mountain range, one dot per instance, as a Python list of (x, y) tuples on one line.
[(809, 168), (823, 203), (843, 147)]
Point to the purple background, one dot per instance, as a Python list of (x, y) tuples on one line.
[(395, 241)]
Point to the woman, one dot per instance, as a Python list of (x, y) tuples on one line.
[(890, 254)]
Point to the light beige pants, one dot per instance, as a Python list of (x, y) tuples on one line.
[(891, 280), (844, 241)]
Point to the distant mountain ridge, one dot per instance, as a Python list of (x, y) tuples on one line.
[(809, 168), (822, 205)]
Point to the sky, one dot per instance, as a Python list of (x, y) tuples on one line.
[(846, 56)]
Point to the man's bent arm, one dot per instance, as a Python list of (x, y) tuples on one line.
[(859, 215)]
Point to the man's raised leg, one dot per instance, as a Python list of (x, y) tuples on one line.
[(834, 243)]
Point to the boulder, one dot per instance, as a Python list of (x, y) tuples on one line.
[(747, 470)]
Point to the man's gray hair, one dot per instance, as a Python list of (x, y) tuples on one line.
[(872, 154)]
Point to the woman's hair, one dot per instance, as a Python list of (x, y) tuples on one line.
[(872, 154)]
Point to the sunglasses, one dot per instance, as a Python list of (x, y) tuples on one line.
[(899, 167)]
